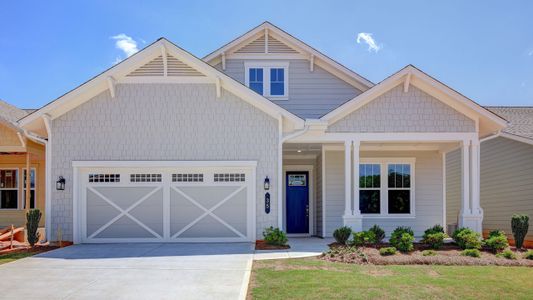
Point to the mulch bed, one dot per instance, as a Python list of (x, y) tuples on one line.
[(449, 255), (262, 245), (36, 249)]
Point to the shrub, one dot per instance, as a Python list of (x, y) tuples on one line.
[(519, 225), (342, 234), (429, 253), (435, 229), (275, 236), (33, 216), (387, 251), (363, 238), (466, 238), (471, 253), (529, 255), (402, 238), (378, 232), (434, 240), (508, 254), (497, 241)]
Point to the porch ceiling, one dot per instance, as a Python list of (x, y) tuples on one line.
[(316, 148)]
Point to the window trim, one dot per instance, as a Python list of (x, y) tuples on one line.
[(266, 66), (34, 189), (384, 189), (13, 189)]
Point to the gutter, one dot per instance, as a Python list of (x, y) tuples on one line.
[(497, 134), (295, 134), (35, 138)]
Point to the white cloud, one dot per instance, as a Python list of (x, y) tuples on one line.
[(125, 43), (364, 37)]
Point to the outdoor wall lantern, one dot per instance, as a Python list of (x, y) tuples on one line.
[(267, 184), (60, 184)]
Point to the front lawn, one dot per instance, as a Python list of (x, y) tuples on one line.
[(311, 278), (9, 257)]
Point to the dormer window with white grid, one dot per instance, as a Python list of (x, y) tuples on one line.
[(269, 79)]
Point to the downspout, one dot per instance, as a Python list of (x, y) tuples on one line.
[(497, 134)]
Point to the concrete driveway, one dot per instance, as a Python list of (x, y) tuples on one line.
[(131, 271)]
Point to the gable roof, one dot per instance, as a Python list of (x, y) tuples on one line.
[(10, 112), (119, 72), (489, 122), (319, 58), (520, 119)]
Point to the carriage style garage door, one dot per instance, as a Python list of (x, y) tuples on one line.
[(164, 201)]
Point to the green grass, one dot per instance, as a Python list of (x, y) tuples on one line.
[(14, 256), (316, 279)]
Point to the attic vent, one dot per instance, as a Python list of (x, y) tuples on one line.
[(177, 68), (256, 46), (275, 46), (153, 68)]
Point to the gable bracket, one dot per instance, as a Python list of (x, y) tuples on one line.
[(223, 57), (407, 82), (312, 63), (111, 85), (218, 86), (22, 141), (266, 40), (164, 55)]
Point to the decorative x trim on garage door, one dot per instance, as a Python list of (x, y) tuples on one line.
[(208, 211), (124, 212)]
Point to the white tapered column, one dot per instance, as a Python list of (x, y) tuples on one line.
[(352, 217), (348, 178), (471, 215), (356, 148)]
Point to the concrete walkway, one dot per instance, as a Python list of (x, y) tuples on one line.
[(131, 271), (300, 247)]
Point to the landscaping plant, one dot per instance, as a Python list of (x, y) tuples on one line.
[(496, 241), (434, 237), (275, 236), (471, 253), (519, 226), (528, 254), (466, 238), (378, 232), (342, 234), (363, 238), (387, 251), (33, 216), (429, 253), (402, 238), (508, 254)]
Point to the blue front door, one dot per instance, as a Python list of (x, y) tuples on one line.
[(297, 202)]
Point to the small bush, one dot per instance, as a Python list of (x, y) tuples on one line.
[(529, 255), (497, 241), (363, 238), (342, 234), (520, 226), (435, 229), (275, 236), (508, 254), (429, 253), (402, 238), (33, 216), (378, 232), (387, 251), (471, 253), (434, 240), (466, 238)]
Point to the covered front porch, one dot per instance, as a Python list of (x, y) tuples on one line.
[(391, 180)]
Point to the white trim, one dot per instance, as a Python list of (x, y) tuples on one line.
[(311, 194), (21, 139), (161, 164), (111, 85), (18, 188), (384, 162), (444, 225), (266, 67), (48, 178), (280, 174), (12, 149), (169, 79), (265, 56), (323, 191), (415, 137), (34, 189)]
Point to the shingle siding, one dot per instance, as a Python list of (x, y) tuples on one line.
[(163, 122), (397, 111), (311, 94)]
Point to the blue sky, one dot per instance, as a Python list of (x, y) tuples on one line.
[(483, 49)]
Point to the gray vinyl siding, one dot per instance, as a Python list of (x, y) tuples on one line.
[(311, 94), (428, 192), (453, 186), (506, 183)]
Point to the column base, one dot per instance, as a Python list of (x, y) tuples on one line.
[(354, 222), (472, 221)]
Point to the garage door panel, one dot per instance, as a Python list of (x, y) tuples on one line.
[(124, 227), (207, 196), (209, 227), (233, 210), (124, 196), (99, 212), (150, 212)]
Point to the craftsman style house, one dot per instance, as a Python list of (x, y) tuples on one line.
[(265, 131)]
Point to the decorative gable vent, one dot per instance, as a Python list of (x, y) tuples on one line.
[(156, 67), (258, 46)]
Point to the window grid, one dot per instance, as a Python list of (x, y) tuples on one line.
[(187, 177), (369, 188), (229, 177), (32, 188), (256, 81), (104, 177), (145, 177), (9, 189)]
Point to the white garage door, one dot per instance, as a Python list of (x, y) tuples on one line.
[(165, 202)]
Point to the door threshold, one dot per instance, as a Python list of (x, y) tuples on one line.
[(298, 235)]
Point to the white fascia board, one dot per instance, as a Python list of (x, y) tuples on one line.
[(415, 137), (163, 164)]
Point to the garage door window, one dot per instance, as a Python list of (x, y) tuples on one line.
[(145, 177), (187, 177), (104, 177), (229, 177)]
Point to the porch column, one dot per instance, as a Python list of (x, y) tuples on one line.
[(471, 215), (351, 218), (356, 148), (465, 164), (347, 178)]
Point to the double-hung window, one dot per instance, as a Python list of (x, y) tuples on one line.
[(9, 189), (32, 188), (269, 79), (386, 187)]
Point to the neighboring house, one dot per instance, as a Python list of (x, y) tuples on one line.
[(18, 154), (265, 131), (506, 173)]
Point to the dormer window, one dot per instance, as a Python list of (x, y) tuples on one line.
[(269, 79)]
